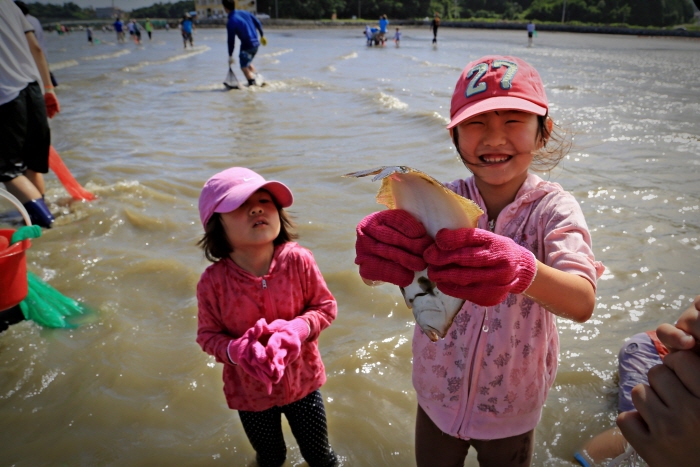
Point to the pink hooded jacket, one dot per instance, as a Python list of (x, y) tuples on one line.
[(231, 300), (489, 377)]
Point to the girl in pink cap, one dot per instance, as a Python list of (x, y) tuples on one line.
[(528, 262), (262, 306)]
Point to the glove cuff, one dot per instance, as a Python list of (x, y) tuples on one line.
[(228, 351), (526, 272), (301, 328)]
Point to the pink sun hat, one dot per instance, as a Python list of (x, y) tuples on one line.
[(496, 82), (228, 190)]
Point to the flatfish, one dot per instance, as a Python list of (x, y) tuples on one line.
[(436, 207)]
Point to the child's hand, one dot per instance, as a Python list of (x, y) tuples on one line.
[(390, 246), (479, 266), (664, 428), (284, 345), (248, 353), (685, 335)]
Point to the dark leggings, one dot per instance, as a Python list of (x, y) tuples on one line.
[(307, 419)]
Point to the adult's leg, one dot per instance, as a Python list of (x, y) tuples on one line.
[(24, 134), (23, 189), (264, 431), (515, 451), (435, 448), (307, 419)]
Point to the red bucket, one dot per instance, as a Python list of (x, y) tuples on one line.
[(13, 271)]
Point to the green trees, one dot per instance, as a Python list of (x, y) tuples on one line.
[(54, 11), (658, 13), (632, 12), (164, 10)]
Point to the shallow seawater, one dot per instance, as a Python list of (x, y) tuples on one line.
[(144, 126)]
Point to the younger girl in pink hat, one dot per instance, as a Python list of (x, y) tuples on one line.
[(528, 262), (262, 306)]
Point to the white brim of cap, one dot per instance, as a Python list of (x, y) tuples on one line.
[(495, 103)]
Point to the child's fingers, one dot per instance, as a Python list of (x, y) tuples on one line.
[(686, 366), (689, 321), (633, 428), (674, 338)]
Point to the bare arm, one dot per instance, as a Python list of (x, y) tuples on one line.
[(39, 59), (564, 294)]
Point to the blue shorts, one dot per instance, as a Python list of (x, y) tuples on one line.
[(246, 56), (636, 357)]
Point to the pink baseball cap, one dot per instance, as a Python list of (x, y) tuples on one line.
[(497, 82), (228, 190)]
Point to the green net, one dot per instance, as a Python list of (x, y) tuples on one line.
[(43, 304), (47, 306)]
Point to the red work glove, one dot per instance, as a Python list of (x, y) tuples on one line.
[(284, 345), (51, 101), (479, 266), (248, 353), (390, 246)]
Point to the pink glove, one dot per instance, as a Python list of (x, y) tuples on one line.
[(248, 353), (390, 246), (51, 101), (284, 345), (479, 266)]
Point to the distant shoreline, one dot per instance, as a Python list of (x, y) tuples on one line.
[(634, 31), (310, 24)]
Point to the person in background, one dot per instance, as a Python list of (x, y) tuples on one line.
[(39, 33), (130, 27), (636, 357), (527, 263), (88, 30), (383, 23), (24, 128), (119, 29), (149, 28), (368, 35), (261, 308), (137, 31), (186, 28), (434, 25), (664, 428), (397, 37), (244, 25), (530, 32)]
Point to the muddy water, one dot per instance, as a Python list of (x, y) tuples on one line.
[(144, 126)]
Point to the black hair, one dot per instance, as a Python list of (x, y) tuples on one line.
[(22, 6), (215, 243), (229, 5), (556, 144)]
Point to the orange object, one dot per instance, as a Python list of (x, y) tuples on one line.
[(67, 180), (52, 105), (13, 270)]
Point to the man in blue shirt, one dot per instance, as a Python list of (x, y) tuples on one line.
[(119, 29), (186, 27), (244, 25)]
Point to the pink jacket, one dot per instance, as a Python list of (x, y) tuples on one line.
[(231, 300), (489, 377)]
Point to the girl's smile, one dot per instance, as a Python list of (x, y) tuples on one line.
[(498, 146)]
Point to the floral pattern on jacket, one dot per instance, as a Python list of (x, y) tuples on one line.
[(231, 300), (489, 377)]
